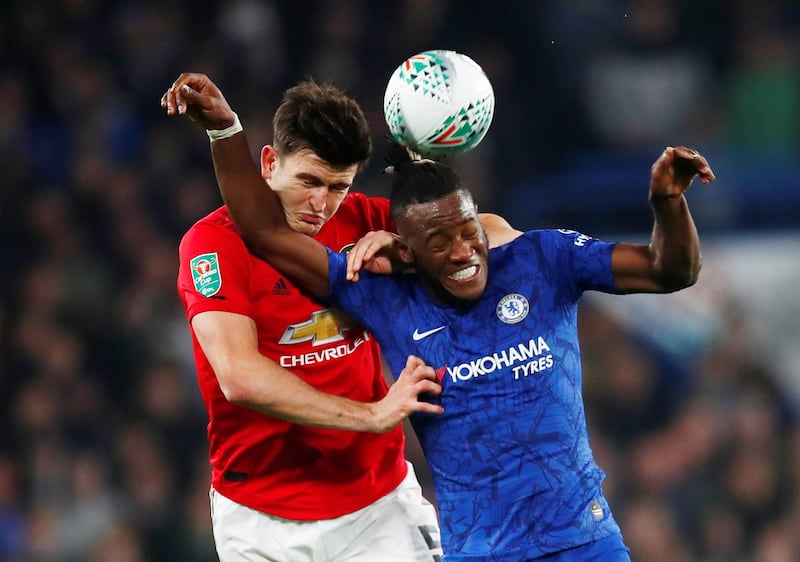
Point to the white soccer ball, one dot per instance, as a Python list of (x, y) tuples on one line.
[(439, 103)]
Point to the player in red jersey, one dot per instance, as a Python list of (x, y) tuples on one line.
[(305, 443)]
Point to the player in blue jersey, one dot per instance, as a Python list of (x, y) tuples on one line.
[(514, 474)]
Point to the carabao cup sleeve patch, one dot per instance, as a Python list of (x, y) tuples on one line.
[(206, 274)]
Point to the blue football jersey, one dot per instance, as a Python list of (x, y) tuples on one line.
[(513, 471)]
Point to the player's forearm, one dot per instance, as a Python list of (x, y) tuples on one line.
[(254, 208), (318, 409), (675, 244), (265, 386)]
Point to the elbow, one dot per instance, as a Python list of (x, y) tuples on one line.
[(233, 393), (694, 274), (234, 388), (678, 280)]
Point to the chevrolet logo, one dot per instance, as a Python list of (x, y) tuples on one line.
[(325, 326)]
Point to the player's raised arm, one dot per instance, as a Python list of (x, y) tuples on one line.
[(254, 208), (672, 259), (259, 218)]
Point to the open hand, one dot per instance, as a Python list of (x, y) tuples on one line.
[(402, 400), (370, 253)]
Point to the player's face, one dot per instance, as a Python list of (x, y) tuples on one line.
[(446, 244), (310, 189)]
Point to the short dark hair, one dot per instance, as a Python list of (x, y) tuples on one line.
[(322, 118), (418, 180)]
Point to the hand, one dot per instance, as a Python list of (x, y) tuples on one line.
[(675, 170), (365, 254), (402, 400), (198, 97)]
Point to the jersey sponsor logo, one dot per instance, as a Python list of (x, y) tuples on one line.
[(523, 359), (512, 308), (280, 288), (325, 326), (206, 274), (327, 354), (417, 335)]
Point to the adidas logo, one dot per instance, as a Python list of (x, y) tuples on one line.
[(280, 288)]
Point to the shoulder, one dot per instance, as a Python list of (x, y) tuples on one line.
[(556, 238), (358, 198), (533, 246), (356, 216), (217, 219), (216, 227), (373, 212), (498, 230), (528, 238)]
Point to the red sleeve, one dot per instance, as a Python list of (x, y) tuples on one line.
[(214, 271)]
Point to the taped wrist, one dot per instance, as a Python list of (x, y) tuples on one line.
[(219, 134)]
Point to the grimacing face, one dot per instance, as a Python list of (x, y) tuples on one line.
[(446, 243), (310, 190)]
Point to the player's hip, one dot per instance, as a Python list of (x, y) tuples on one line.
[(399, 527)]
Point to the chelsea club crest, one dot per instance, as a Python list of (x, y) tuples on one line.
[(512, 308)]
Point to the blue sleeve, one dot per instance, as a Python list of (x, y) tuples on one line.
[(337, 270), (587, 260), (354, 298)]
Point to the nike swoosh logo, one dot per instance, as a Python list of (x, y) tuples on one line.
[(417, 335)]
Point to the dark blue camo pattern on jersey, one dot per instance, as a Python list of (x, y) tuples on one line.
[(513, 471)]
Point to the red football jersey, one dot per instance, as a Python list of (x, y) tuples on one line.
[(271, 465)]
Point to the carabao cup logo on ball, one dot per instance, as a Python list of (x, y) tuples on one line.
[(439, 103)]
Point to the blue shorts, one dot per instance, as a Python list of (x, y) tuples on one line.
[(607, 549)]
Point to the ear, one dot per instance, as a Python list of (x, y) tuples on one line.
[(269, 157), (404, 251)]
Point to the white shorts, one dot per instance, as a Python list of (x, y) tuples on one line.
[(399, 527)]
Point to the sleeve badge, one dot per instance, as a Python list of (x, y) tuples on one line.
[(206, 274)]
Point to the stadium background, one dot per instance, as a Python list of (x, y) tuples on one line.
[(692, 398)]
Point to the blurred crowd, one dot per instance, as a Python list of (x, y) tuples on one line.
[(103, 452)]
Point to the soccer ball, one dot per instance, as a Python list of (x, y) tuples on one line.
[(439, 103)]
